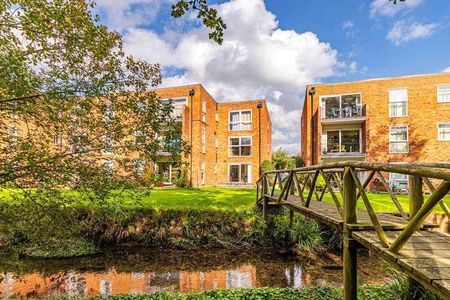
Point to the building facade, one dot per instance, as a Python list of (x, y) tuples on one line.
[(389, 120), (227, 140)]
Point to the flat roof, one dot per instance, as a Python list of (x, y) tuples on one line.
[(379, 79)]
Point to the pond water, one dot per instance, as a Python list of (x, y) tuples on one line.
[(148, 270)]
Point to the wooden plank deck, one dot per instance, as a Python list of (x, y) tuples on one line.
[(425, 257)]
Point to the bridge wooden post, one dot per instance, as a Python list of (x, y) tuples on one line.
[(415, 195), (349, 251), (415, 204), (265, 200)]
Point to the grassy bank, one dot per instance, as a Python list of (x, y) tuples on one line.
[(175, 218)]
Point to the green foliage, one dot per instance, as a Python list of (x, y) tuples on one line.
[(299, 162), (73, 223), (303, 233), (267, 166), (281, 160), (205, 13)]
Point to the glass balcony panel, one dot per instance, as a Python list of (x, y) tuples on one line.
[(331, 107)]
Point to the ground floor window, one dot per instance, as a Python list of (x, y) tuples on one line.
[(398, 181), (240, 173)]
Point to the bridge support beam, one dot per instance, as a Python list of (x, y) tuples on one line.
[(350, 258)]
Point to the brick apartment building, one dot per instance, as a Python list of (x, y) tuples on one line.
[(388, 120), (228, 140)]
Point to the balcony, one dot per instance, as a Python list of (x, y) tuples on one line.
[(349, 114), (342, 143)]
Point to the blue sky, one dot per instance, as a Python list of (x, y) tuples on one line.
[(274, 48)]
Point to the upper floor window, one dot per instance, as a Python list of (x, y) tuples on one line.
[(203, 110), (177, 105), (108, 114), (398, 139), (443, 93), (341, 106), (108, 165), (139, 137), (80, 142), (12, 132), (444, 132), (203, 140), (398, 103), (240, 146), (139, 167), (240, 120)]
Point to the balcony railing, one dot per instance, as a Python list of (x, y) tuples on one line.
[(343, 113)]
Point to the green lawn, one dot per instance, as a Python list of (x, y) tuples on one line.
[(235, 199), (206, 198)]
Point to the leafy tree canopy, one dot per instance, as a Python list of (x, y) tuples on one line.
[(281, 160)]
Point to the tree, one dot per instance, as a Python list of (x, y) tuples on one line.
[(281, 160), (267, 166), (69, 95), (299, 162)]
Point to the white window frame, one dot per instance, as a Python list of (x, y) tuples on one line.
[(340, 140), (322, 101), (407, 102), (249, 170), (109, 166), (177, 104), (240, 145), (407, 138), (109, 114), (13, 133), (203, 110), (203, 140), (139, 167), (139, 134), (398, 180), (438, 93), (105, 137), (240, 119), (439, 132)]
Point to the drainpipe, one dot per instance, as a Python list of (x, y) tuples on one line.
[(191, 95), (312, 92), (259, 106)]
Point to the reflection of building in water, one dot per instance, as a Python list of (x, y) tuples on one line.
[(112, 282), (294, 276)]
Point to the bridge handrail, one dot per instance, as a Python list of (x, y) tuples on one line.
[(351, 188)]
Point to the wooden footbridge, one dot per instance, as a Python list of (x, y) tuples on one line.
[(400, 237)]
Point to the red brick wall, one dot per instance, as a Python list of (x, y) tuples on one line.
[(424, 113)]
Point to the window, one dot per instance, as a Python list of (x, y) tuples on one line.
[(108, 114), (240, 146), (203, 173), (398, 181), (239, 173), (139, 167), (203, 140), (444, 93), (108, 144), (398, 139), (398, 103), (204, 110), (14, 110), (139, 137), (57, 139), (341, 141), (341, 106), (12, 133), (108, 165), (80, 143), (444, 132), (240, 120), (177, 104)]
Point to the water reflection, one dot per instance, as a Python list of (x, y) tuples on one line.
[(149, 271)]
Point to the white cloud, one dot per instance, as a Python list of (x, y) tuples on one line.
[(256, 60), (404, 31), (349, 29), (446, 69), (385, 8), (123, 14)]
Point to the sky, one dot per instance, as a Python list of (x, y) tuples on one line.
[(272, 49)]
